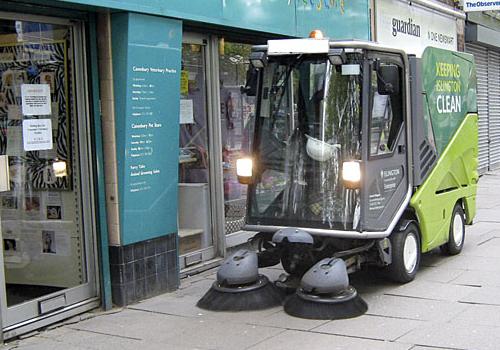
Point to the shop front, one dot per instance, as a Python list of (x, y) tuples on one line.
[(180, 120), (48, 217), (482, 40), (217, 116), (165, 85)]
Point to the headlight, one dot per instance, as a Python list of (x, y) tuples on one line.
[(351, 174), (244, 170)]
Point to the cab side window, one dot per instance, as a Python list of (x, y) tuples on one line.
[(386, 109)]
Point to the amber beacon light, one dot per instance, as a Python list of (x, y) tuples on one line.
[(316, 34)]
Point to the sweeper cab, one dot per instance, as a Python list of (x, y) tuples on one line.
[(361, 155)]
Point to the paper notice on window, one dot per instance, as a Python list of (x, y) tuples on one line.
[(37, 134), (186, 112), (36, 99), (379, 106)]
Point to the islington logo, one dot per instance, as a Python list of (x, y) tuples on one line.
[(405, 27)]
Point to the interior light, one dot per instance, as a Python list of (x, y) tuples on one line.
[(351, 174), (59, 167), (316, 34), (244, 169)]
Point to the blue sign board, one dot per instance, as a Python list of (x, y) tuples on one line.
[(147, 94), (339, 19)]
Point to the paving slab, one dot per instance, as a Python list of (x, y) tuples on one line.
[(179, 331), (476, 314), (98, 341), (438, 274), (196, 288), (280, 319), (484, 250), (296, 340), (487, 215), (454, 336), (480, 228), (473, 263), (414, 308), (370, 327), (433, 290), (483, 295), (37, 343), (430, 348), (478, 278), (171, 304)]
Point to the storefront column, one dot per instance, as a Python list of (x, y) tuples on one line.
[(145, 91)]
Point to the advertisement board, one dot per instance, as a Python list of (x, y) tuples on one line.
[(470, 6), (412, 27)]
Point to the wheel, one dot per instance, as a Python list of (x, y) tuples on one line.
[(405, 254), (456, 236)]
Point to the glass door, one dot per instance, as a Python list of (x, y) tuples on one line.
[(196, 240), (237, 123), (46, 215)]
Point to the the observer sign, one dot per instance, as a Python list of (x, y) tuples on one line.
[(481, 5), (412, 27)]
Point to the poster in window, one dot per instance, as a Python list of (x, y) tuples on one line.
[(48, 72)]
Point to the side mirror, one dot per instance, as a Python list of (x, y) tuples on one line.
[(250, 88), (388, 79)]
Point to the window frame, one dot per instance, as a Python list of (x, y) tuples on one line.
[(385, 59)]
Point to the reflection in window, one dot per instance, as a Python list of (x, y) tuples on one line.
[(386, 119), (237, 111)]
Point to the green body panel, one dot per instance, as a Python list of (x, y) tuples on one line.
[(453, 178), (449, 84)]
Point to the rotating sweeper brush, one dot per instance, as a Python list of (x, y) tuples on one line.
[(240, 287), (325, 294)]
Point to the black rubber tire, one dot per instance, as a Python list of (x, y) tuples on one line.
[(397, 271), (452, 247)]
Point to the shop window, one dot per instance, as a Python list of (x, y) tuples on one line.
[(41, 214)]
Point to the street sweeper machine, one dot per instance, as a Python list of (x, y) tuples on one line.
[(361, 155)]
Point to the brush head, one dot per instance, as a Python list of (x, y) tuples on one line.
[(347, 304), (256, 296)]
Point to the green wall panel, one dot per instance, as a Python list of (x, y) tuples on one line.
[(146, 70)]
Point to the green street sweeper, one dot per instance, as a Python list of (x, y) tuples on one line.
[(361, 155)]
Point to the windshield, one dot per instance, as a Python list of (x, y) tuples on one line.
[(309, 124)]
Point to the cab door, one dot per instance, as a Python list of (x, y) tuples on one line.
[(385, 184)]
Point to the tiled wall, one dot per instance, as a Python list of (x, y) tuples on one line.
[(145, 269), (108, 125)]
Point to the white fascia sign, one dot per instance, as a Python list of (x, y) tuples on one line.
[(411, 27), (470, 6)]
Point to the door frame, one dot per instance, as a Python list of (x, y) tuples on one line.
[(207, 257), (86, 295)]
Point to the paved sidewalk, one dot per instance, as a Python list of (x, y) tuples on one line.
[(454, 303)]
